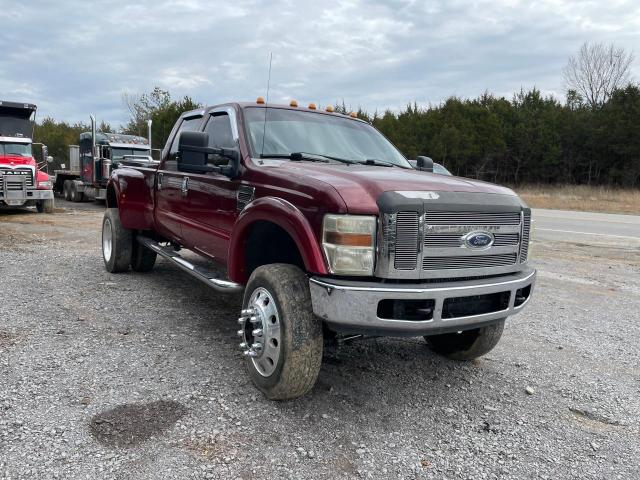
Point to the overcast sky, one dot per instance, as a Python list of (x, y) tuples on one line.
[(73, 58)]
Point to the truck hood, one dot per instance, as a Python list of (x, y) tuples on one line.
[(14, 160), (360, 185)]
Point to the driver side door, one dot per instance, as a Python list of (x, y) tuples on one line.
[(210, 199)]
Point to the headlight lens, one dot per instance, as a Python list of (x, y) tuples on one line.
[(45, 185), (349, 243)]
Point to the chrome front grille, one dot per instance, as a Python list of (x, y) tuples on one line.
[(406, 245), (526, 233), (8, 173), (474, 261), (436, 244), (473, 218)]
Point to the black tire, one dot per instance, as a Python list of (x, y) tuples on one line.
[(117, 257), (66, 190), (301, 341), (142, 259), (75, 195), (45, 206), (468, 344)]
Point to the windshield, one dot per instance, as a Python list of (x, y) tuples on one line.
[(119, 153), (291, 131), (20, 149)]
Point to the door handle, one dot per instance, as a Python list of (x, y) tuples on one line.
[(185, 186), (159, 181)]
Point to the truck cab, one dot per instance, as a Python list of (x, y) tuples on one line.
[(329, 230), (22, 181), (92, 161)]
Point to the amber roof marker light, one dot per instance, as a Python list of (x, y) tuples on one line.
[(353, 114), (260, 100), (329, 109), (312, 106), (293, 103)]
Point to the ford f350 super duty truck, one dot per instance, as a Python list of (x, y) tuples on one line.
[(327, 228), (22, 181)]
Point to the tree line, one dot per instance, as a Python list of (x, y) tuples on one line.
[(527, 139)]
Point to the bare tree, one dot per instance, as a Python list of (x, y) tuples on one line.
[(597, 71)]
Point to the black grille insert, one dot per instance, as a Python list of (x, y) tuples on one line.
[(414, 310), (457, 307)]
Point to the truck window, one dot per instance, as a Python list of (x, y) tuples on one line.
[(219, 130), (190, 124)]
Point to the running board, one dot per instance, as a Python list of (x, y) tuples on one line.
[(195, 271)]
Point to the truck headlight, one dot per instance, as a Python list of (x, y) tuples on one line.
[(45, 185), (349, 243)]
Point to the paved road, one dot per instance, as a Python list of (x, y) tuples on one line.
[(586, 227)]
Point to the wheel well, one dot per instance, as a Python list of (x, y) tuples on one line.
[(269, 243), (112, 201)]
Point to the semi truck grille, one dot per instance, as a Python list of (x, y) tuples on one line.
[(9, 172), (436, 244)]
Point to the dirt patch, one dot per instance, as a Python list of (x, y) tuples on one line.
[(130, 424)]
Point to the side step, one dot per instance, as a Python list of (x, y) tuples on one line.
[(195, 271)]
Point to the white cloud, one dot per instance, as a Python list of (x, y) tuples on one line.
[(73, 58)]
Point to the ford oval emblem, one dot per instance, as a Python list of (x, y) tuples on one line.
[(479, 240)]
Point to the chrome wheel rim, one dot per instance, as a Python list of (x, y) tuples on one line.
[(106, 240), (260, 331)]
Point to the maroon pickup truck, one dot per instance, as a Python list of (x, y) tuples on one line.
[(328, 229)]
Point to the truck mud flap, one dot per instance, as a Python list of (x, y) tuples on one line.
[(195, 271)]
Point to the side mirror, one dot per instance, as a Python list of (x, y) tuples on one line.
[(424, 164), (45, 153), (193, 155)]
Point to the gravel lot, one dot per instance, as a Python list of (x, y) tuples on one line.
[(139, 376)]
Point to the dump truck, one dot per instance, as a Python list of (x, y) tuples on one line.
[(23, 181)]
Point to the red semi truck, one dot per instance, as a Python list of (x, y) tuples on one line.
[(22, 181), (329, 230)]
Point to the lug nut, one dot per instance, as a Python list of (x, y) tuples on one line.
[(250, 353), (247, 311), (254, 319), (257, 332), (241, 320), (256, 346), (244, 345), (240, 333)]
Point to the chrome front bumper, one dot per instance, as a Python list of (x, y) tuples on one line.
[(353, 307), (20, 197)]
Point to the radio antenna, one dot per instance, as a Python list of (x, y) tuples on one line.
[(266, 106)]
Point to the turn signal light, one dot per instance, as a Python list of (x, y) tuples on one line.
[(293, 103), (260, 101), (349, 239)]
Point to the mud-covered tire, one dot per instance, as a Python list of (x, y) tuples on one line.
[(117, 242), (74, 194), (468, 344), (66, 190), (142, 259), (301, 341), (45, 206)]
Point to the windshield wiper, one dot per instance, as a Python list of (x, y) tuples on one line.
[(380, 163), (311, 157)]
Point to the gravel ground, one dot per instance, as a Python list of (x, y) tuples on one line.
[(139, 376)]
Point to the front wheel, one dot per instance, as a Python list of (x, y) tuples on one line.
[(468, 344), (45, 206), (282, 338), (117, 242)]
